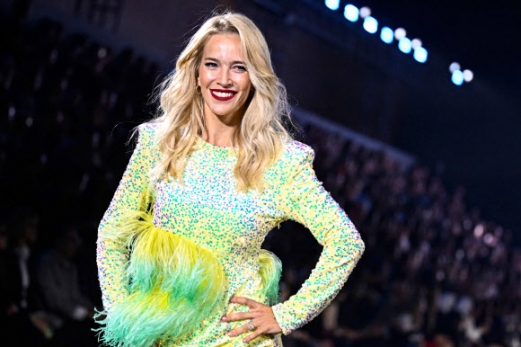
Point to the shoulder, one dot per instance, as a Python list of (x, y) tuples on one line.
[(146, 135), (294, 156), (147, 132), (296, 152), (147, 141)]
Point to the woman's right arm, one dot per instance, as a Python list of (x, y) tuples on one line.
[(130, 197)]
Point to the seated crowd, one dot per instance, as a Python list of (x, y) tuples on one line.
[(434, 273)]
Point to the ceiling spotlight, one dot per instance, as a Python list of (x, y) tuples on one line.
[(420, 55), (387, 35), (365, 12), (399, 33), (351, 13), (333, 4), (457, 78), (468, 75), (454, 66), (404, 45), (102, 53), (415, 43), (370, 25)]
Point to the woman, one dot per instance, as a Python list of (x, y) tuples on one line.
[(179, 254)]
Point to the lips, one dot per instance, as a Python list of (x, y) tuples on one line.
[(223, 94)]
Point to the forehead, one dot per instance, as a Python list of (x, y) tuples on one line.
[(224, 46)]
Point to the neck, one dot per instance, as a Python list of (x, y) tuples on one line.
[(219, 133), (218, 138)]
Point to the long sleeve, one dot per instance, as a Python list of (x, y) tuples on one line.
[(112, 253), (307, 202)]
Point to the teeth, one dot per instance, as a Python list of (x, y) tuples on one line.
[(222, 94)]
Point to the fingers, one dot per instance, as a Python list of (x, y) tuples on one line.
[(241, 330), (261, 326), (244, 301), (260, 315), (239, 316), (253, 335)]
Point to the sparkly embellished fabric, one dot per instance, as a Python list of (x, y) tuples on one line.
[(208, 211)]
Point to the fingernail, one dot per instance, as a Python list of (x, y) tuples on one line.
[(230, 334), (223, 318)]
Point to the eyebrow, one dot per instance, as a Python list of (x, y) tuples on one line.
[(233, 62)]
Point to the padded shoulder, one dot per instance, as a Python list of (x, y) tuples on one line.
[(147, 132), (294, 157), (298, 153)]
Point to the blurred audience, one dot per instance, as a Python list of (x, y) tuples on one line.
[(434, 272)]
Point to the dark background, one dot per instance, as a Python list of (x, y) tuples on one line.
[(478, 139), (468, 134)]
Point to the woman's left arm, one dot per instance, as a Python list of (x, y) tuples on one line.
[(307, 202)]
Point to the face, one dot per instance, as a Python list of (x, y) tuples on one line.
[(222, 76)]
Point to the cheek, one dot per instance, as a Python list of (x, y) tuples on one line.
[(246, 85), (199, 74), (203, 77)]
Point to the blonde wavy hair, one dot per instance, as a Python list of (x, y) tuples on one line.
[(261, 134)]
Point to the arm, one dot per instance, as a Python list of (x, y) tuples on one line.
[(307, 202), (131, 196)]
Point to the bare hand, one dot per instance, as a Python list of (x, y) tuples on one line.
[(260, 315)]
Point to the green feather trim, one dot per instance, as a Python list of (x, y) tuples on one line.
[(173, 285), (270, 270)]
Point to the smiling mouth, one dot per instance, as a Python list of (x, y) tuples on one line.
[(223, 95)]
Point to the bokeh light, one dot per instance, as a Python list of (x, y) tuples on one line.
[(333, 4), (454, 66), (387, 35), (405, 45), (468, 75), (370, 25), (457, 79), (351, 13), (365, 12), (420, 55), (416, 43), (399, 33)]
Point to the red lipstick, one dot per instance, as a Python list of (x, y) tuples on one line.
[(223, 94)]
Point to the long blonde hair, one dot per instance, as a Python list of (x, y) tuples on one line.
[(261, 135)]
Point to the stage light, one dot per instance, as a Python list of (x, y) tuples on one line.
[(365, 12), (370, 25), (387, 35), (420, 54), (415, 43), (102, 53), (351, 13), (404, 45), (454, 66), (11, 112), (468, 75), (333, 4), (479, 230), (399, 33), (457, 78), (489, 239)]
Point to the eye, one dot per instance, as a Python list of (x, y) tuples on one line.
[(241, 68), (210, 64)]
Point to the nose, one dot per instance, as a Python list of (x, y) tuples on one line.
[(224, 77)]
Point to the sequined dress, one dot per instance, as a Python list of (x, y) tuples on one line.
[(225, 228)]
